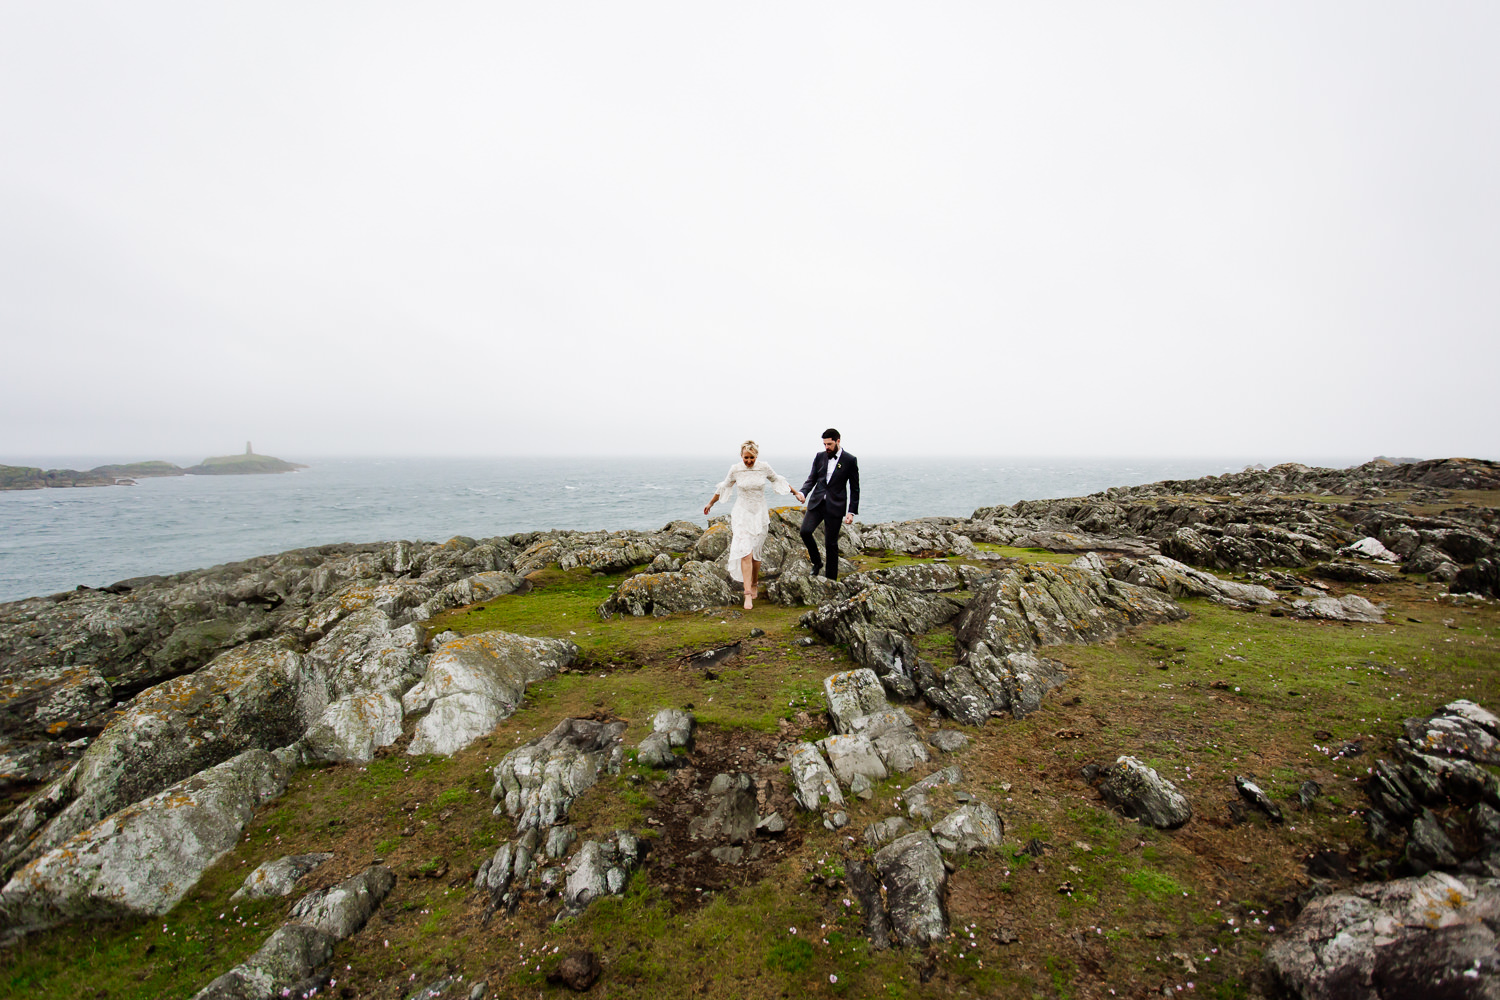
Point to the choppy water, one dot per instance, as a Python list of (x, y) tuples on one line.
[(55, 539)]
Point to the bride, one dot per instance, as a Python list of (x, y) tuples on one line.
[(750, 519)]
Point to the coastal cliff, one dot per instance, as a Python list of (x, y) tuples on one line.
[(1175, 736)]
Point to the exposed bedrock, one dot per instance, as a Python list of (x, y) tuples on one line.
[(1433, 935), (474, 682), (536, 784), (144, 858), (297, 949), (261, 695)]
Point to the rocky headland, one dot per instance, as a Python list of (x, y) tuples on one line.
[(1231, 735), (22, 477)]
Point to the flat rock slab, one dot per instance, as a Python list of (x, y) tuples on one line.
[(1177, 579), (536, 783), (894, 739), (278, 877), (1140, 793), (1434, 936), (1349, 608), (146, 857), (852, 755), (915, 881), (472, 683)]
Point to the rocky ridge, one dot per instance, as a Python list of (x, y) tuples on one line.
[(152, 689)]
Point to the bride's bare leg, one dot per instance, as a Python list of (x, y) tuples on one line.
[(755, 564), (747, 574)]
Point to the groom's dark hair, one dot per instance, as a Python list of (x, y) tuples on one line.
[(832, 433)]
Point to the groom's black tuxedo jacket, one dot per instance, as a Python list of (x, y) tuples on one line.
[(841, 492)]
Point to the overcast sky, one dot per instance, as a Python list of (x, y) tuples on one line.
[(1071, 229)]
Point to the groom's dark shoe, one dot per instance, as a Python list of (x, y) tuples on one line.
[(817, 569)]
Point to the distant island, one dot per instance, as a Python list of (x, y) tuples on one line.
[(20, 477)]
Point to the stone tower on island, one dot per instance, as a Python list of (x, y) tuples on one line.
[(247, 449)]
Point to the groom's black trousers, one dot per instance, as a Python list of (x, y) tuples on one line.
[(832, 520)]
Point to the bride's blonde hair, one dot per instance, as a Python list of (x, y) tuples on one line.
[(751, 447)]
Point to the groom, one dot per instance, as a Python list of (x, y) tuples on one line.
[(832, 490)]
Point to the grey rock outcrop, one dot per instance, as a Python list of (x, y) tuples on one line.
[(814, 784), (971, 827), (1433, 935), (696, 587), (915, 881), (474, 682), (146, 857), (849, 756), (260, 695), (1349, 608), (875, 624), (729, 816), (1178, 579), (600, 868), (1461, 729), (304, 944), (670, 728), (278, 877), (536, 784), (894, 739), (852, 694), (918, 796), (1142, 794)]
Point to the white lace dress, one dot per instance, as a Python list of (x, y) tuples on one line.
[(750, 519)]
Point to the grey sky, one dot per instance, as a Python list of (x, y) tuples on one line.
[(1073, 229)]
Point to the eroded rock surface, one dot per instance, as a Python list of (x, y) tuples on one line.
[(474, 682), (1434, 935), (278, 877), (536, 783), (915, 882), (144, 858), (1140, 793)]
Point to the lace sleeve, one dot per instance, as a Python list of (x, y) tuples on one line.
[(778, 483), (723, 487)]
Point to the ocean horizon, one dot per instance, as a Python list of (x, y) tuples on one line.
[(57, 539)]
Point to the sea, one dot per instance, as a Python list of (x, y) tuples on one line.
[(58, 539)]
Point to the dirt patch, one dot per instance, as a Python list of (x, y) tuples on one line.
[(684, 867)]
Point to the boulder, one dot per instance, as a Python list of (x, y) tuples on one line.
[(278, 877), (695, 588), (1433, 935), (915, 881), (536, 784), (971, 827), (599, 868), (1481, 578), (259, 695), (1353, 572), (814, 783), (883, 607), (797, 589), (929, 577), (852, 694), (474, 682), (1142, 794), (1349, 608), (948, 740), (676, 725), (144, 858), (1370, 548), (1428, 845)]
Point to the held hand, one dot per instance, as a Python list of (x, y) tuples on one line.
[(799, 496), (848, 518), (707, 509)]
